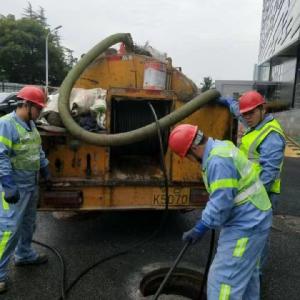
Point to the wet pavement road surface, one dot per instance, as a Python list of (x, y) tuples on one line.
[(86, 238)]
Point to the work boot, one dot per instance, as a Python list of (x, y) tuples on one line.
[(41, 259), (3, 287)]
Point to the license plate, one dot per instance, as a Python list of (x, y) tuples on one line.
[(177, 196)]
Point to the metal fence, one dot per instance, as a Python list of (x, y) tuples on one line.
[(10, 87)]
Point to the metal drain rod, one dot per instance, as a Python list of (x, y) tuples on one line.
[(162, 285)]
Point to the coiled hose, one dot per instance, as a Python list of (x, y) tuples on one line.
[(125, 137)]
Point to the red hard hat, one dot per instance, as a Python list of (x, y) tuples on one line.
[(32, 94), (181, 138), (250, 100)]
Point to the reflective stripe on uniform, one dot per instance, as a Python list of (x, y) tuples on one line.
[(247, 189), (4, 203), (224, 183), (3, 243), (240, 247), (251, 141), (6, 141), (224, 292), (247, 170), (242, 196)]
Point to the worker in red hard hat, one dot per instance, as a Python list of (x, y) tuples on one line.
[(263, 142), (238, 205), (32, 101), (21, 160), (251, 106)]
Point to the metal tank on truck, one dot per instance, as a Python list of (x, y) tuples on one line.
[(118, 166)]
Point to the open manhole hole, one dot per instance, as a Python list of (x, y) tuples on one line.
[(183, 284)]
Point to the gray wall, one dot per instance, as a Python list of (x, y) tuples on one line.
[(290, 121), (233, 87)]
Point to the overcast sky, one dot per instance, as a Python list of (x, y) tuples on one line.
[(217, 38)]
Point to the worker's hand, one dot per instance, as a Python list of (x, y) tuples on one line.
[(195, 234), (191, 236), (11, 196), (11, 193), (45, 173), (227, 101)]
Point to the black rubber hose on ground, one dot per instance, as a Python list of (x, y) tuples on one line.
[(62, 266), (129, 137)]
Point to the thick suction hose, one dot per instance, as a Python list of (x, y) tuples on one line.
[(126, 137)]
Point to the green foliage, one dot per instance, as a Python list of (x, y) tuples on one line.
[(22, 50), (207, 84)]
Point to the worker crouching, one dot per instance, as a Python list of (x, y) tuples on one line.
[(238, 205), (21, 160)]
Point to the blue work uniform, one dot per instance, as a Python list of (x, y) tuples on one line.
[(271, 155), (234, 273), (271, 151), (17, 221)]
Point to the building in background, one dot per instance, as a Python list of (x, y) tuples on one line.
[(233, 88), (277, 75)]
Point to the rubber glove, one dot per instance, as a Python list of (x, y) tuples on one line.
[(45, 173), (195, 234), (11, 193), (227, 101)]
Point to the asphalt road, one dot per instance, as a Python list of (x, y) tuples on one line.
[(84, 239)]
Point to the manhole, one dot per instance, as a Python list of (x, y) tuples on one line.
[(184, 283)]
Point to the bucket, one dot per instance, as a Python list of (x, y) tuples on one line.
[(154, 75)]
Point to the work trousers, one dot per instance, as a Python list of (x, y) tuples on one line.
[(17, 225), (234, 273), (264, 256)]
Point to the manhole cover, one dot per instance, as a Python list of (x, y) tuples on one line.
[(184, 283)]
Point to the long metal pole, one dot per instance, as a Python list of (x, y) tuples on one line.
[(162, 285), (46, 57)]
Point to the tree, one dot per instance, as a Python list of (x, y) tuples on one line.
[(39, 16), (22, 50), (207, 84), (29, 13)]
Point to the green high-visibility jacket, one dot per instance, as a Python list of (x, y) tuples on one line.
[(251, 141), (249, 186), (27, 151)]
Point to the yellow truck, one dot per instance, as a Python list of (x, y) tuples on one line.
[(118, 168)]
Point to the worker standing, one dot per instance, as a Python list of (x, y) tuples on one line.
[(263, 142), (238, 205), (21, 159)]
